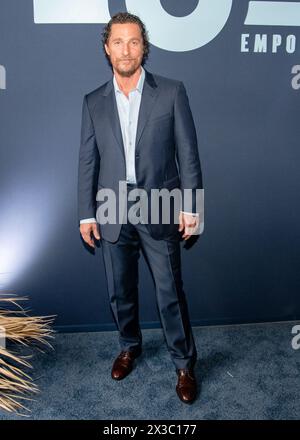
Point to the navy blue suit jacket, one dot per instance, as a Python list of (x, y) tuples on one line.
[(166, 150)]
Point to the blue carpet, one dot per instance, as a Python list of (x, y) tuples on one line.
[(245, 372)]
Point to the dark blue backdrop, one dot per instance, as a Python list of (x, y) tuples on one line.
[(245, 265)]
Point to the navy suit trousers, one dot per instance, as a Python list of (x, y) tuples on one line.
[(164, 261)]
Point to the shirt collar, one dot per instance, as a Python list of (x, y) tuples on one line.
[(139, 85)]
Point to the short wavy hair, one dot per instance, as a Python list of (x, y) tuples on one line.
[(126, 17)]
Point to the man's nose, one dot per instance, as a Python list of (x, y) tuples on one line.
[(125, 49)]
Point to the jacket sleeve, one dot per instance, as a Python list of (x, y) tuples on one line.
[(187, 154), (88, 166)]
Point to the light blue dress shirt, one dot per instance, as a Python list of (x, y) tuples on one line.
[(128, 109)]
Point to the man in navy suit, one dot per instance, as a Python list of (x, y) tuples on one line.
[(138, 128)]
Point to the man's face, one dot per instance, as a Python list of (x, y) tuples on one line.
[(125, 48)]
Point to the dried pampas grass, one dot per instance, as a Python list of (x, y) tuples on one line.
[(18, 327)]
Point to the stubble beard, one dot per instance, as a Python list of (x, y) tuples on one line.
[(128, 72)]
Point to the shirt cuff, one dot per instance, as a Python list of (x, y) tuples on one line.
[(88, 220), (191, 213)]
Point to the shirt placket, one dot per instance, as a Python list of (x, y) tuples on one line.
[(130, 137), (124, 121)]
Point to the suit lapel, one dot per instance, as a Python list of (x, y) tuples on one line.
[(112, 114), (149, 95)]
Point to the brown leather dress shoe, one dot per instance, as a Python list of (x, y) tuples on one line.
[(123, 364), (186, 387)]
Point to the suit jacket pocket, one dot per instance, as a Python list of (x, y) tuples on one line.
[(160, 118), (174, 182)]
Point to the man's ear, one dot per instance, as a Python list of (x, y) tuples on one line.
[(106, 49)]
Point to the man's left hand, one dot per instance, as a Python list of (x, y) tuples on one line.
[(188, 223)]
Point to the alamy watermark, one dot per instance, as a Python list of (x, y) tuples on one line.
[(296, 339), (154, 206)]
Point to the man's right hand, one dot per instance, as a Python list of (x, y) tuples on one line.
[(88, 231)]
